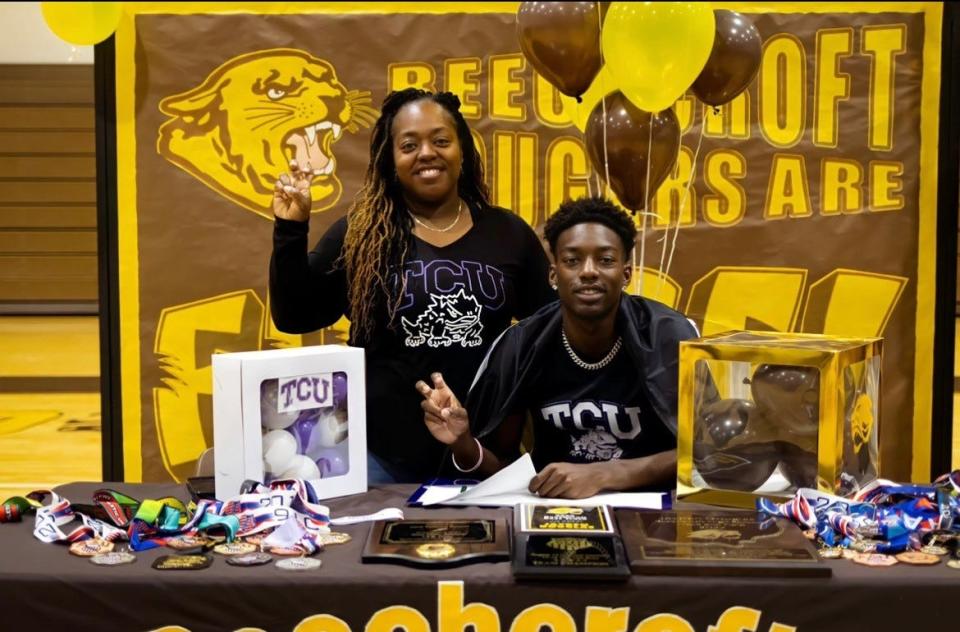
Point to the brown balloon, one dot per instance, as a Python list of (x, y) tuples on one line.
[(562, 42), (733, 62), (789, 397), (629, 144)]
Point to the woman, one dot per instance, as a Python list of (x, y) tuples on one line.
[(428, 272)]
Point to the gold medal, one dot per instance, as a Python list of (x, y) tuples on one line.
[(89, 548), (918, 557), (436, 550), (234, 548), (182, 542), (849, 554), (935, 549), (832, 553), (287, 551), (334, 537), (955, 564), (874, 559)]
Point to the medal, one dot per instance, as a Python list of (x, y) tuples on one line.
[(256, 539), (298, 564), (875, 559), (849, 554), (287, 551), (935, 549), (918, 557), (182, 542), (334, 537), (234, 548), (113, 558), (436, 550), (182, 562), (954, 564), (831, 553), (249, 559), (91, 547), (810, 534)]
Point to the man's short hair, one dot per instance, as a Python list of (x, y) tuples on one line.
[(598, 210)]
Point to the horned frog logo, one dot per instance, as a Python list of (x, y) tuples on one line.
[(861, 422), (238, 130)]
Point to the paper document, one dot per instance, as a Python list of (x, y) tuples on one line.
[(508, 488)]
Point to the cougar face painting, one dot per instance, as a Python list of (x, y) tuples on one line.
[(239, 129)]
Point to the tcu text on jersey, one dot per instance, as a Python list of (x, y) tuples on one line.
[(442, 276), (584, 415)]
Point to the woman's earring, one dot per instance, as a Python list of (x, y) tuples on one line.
[(554, 286)]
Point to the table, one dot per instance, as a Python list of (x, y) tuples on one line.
[(42, 586)]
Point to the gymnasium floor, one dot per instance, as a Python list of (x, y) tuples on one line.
[(50, 402)]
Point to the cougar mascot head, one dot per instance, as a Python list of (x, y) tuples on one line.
[(238, 130)]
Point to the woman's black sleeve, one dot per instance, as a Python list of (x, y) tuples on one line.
[(308, 291)]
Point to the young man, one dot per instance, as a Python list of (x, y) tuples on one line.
[(597, 371)]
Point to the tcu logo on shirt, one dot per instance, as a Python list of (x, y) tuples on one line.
[(304, 392), (622, 422), (441, 276)]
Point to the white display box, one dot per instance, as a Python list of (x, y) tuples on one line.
[(306, 407)]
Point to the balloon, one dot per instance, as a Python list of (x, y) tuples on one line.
[(340, 390), (628, 144), (82, 23), (580, 113), (657, 49), (734, 60), (333, 461), (561, 40), (733, 446), (789, 396), (301, 467), (269, 416), (279, 448), (799, 466)]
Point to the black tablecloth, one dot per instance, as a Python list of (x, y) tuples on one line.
[(42, 586)]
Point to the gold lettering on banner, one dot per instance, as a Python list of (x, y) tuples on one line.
[(534, 618), (411, 75), (187, 335), (788, 194), (567, 172), (507, 87), (730, 120), (404, 617), (841, 186), (462, 79), (882, 44), (606, 619), (673, 202), (665, 622), (322, 623), (831, 85), (726, 205), (885, 185), (550, 109), (453, 616), (737, 619), (783, 90), (515, 173)]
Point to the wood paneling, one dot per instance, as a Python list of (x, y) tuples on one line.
[(48, 196)]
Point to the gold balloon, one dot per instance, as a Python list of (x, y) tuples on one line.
[(657, 49)]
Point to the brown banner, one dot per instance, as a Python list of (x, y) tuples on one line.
[(804, 213)]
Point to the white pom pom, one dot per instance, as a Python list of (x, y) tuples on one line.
[(301, 467), (279, 448)]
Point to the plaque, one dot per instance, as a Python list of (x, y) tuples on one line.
[(437, 543), (700, 542), (554, 519), (569, 556)]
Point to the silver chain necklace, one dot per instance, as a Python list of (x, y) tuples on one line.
[(456, 220), (591, 366)]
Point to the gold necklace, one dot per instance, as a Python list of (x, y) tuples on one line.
[(456, 220)]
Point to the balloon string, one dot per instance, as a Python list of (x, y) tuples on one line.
[(603, 101), (683, 200), (646, 208)]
